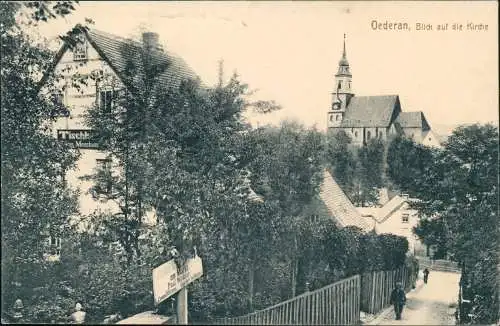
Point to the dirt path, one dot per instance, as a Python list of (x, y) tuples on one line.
[(429, 304)]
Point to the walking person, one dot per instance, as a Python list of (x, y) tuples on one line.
[(398, 299), (426, 275)]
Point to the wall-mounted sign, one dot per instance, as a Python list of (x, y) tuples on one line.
[(82, 138), (168, 280)]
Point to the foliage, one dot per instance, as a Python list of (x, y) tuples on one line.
[(370, 172), (359, 170), (340, 155), (35, 198)]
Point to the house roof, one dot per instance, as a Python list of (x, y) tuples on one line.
[(413, 120), (340, 207), (380, 214), (371, 111), (120, 53)]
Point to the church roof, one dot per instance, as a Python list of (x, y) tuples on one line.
[(122, 53), (371, 111), (413, 120), (340, 207)]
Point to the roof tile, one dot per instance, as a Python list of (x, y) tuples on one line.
[(121, 52), (370, 111), (340, 207)]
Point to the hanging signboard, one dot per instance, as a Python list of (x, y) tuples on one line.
[(82, 138), (168, 279)]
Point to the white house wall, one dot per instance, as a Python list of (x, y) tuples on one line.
[(394, 224), (78, 102)]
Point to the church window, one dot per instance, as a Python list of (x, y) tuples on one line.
[(337, 117), (340, 84), (349, 84), (368, 135), (355, 134), (380, 134), (331, 117)]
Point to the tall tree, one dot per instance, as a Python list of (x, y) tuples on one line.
[(35, 199), (369, 173), (339, 155)]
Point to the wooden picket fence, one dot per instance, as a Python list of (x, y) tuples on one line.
[(337, 304), (376, 288)]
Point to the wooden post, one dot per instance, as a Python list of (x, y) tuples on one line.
[(182, 307)]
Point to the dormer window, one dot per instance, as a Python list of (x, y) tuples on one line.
[(105, 100), (80, 50), (405, 218)]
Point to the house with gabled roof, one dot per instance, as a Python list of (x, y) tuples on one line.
[(99, 61), (367, 117), (340, 208), (396, 216)]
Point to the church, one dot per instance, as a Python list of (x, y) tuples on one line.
[(378, 116)]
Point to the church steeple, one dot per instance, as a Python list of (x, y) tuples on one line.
[(343, 64), (342, 93)]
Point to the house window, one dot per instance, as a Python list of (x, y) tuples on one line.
[(59, 110), (106, 100), (331, 117), (80, 50), (340, 84), (380, 134), (349, 84), (356, 134), (54, 245), (57, 98), (368, 135), (405, 217), (337, 117), (103, 176)]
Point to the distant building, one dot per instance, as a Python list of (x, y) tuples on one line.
[(100, 60), (396, 217), (367, 117)]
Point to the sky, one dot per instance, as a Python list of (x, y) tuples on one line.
[(289, 51)]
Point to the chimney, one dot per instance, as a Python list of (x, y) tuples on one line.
[(150, 40)]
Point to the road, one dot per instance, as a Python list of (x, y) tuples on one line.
[(429, 304)]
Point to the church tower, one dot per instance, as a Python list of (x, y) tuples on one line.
[(343, 92)]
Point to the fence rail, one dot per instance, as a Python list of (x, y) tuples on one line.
[(337, 303), (438, 265)]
